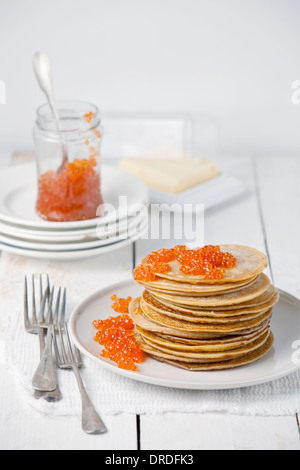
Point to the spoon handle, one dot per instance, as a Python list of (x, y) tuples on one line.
[(41, 66)]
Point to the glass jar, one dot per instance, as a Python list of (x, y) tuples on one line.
[(68, 190)]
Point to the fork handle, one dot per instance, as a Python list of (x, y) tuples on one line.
[(44, 378), (52, 395), (91, 421)]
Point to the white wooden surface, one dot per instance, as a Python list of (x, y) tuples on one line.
[(266, 218)]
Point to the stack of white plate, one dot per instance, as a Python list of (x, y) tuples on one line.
[(125, 217)]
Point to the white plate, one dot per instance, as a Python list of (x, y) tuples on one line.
[(70, 255), (18, 187), (131, 231), (85, 235), (211, 194), (275, 364)]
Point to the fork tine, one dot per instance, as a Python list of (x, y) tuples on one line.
[(56, 312), (63, 308), (26, 317), (56, 330), (41, 289), (69, 344), (34, 319), (48, 318), (48, 283), (43, 306), (78, 357), (63, 350)]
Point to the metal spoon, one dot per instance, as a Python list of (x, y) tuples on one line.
[(41, 66)]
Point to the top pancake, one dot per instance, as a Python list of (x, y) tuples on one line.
[(168, 286), (250, 263)]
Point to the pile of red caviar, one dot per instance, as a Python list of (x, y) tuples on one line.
[(208, 261), (120, 305), (71, 194), (116, 335)]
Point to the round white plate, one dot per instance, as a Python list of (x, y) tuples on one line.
[(18, 187), (85, 235), (275, 364), (71, 255), (131, 231)]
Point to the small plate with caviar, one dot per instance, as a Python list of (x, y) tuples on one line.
[(194, 318)]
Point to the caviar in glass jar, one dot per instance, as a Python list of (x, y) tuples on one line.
[(72, 194), (69, 191)]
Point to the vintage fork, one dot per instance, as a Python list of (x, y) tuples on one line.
[(91, 421), (31, 323), (45, 376)]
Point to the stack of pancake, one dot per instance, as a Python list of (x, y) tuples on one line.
[(204, 324)]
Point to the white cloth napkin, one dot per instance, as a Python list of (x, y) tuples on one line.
[(112, 393)]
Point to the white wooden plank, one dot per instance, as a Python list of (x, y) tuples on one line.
[(216, 431), (23, 428), (279, 195), (279, 192)]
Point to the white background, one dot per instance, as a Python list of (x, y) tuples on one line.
[(234, 60)]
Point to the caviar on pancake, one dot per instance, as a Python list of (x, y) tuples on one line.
[(208, 261)]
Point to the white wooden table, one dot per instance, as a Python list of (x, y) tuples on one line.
[(267, 218)]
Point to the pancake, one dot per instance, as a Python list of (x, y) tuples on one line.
[(221, 365), (250, 263), (210, 342), (144, 323), (200, 357), (267, 300), (194, 293), (227, 328), (149, 301), (258, 287), (168, 286), (211, 345), (199, 323)]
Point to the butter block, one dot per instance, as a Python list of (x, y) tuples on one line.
[(171, 175)]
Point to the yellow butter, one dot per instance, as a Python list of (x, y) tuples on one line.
[(171, 175)]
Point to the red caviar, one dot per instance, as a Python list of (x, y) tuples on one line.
[(71, 194), (155, 262), (144, 273), (208, 261), (116, 335), (97, 133), (120, 305), (161, 256), (214, 255), (89, 116)]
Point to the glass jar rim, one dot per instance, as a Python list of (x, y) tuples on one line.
[(45, 115)]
